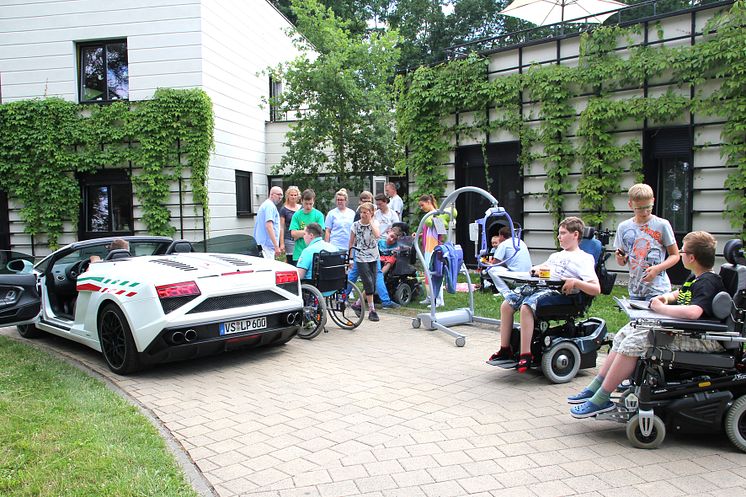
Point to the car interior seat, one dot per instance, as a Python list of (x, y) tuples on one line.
[(179, 247), (117, 254)]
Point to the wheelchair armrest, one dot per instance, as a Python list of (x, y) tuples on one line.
[(694, 325)]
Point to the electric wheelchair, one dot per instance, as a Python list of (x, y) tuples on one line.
[(563, 342), (327, 294), (692, 392), (401, 279)]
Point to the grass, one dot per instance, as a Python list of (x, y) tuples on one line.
[(63, 433), (487, 305)]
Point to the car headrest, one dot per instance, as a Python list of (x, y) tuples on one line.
[(179, 247), (722, 304), (118, 254)]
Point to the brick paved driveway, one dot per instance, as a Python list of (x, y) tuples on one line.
[(388, 411)]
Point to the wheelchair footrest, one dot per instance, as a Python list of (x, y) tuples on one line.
[(508, 364)]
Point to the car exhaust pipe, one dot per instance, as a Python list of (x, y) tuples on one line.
[(290, 318), (190, 335), (177, 337)]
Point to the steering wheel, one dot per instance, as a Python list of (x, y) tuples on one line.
[(74, 270)]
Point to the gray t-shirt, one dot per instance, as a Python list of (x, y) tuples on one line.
[(366, 245), (645, 244)]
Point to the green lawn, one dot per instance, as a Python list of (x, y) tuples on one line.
[(63, 433)]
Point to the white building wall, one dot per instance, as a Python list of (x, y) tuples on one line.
[(240, 40)]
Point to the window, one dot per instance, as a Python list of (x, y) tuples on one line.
[(104, 71), (275, 90), (107, 205), (243, 193)]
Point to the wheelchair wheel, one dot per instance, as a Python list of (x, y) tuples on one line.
[(403, 294), (561, 362), (735, 423), (636, 438), (314, 312), (340, 308)]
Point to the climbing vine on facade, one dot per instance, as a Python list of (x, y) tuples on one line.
[(45, 143), (537, 108)]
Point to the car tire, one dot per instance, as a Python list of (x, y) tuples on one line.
[(117, 344), (28, 331)]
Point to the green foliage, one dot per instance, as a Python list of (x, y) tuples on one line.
[(344, 93), (428, 96), (44, 143)]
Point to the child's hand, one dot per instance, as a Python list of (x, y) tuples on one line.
[(650, 274), (621, 257)]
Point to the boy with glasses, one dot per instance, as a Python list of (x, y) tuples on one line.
[(645, 242), (692, 301)]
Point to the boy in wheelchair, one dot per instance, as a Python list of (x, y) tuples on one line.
[(397, 258), (576, 270), (692, 302)]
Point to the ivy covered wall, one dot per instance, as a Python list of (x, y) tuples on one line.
[(44, 143), (538, 107)]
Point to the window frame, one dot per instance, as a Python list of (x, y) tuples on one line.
[(106, 178), (81, 68), (248, 176)]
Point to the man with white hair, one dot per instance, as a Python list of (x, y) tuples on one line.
[(267, 224)]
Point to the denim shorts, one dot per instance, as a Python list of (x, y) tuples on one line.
[(526, 295)]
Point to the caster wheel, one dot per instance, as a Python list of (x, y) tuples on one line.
[(460, 342), (652, 441), (416, 323)]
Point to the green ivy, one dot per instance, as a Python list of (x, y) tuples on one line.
[(428, 97), (44, 143)]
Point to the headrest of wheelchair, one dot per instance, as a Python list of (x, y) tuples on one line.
[(589, 232), (117, 254), (733, 252), (404, 227), (722, 304)]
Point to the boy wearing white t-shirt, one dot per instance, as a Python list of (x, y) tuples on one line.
[(573, 265)]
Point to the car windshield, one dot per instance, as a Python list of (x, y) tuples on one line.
[(229, 244), (8, 256)]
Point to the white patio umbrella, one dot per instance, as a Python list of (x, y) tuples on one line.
[(544, 12)]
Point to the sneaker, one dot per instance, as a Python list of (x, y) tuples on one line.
[(524, 363), (355, 306), (390, 305), (588, 409), (624, 386), (373, 316), (581, 397), (425, 302), (500, 357)]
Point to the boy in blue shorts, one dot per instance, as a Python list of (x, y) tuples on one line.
[(573, 265)]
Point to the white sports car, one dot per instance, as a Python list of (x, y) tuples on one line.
[(160, 301)]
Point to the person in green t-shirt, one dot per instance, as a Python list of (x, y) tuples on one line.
[(303, 218)]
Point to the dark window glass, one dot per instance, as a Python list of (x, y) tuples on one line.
[(107, 204), (675, 188), (104, 72), (243, 193)]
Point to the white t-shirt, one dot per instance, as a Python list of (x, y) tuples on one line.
[(396, 204), (386, 220), (575, 264)]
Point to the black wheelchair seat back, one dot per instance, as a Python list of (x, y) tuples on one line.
[(405, 258), (330, 271)]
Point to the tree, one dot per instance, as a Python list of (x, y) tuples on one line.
[(340, 89)]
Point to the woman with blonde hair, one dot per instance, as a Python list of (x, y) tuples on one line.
[(291, 206), (339, 221)]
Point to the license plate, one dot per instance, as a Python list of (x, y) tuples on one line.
[(243, 325)]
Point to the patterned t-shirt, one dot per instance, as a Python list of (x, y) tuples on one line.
[(700, 291), (366, 245), (645, 244)]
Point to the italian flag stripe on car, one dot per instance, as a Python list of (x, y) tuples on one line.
[(95, 284)]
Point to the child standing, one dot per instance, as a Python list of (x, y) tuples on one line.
[(645, 242), (364, 239)]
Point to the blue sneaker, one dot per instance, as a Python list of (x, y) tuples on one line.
[(589, 409), (581, 397), (390, 305)]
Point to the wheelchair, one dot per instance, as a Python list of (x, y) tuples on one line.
[(563, 342), (692, 392), (327, 294), (401, 279)]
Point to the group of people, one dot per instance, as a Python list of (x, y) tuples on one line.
[(646, 244), (299, 230)]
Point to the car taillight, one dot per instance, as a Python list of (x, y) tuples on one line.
[(184, 289), (286, 277)]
